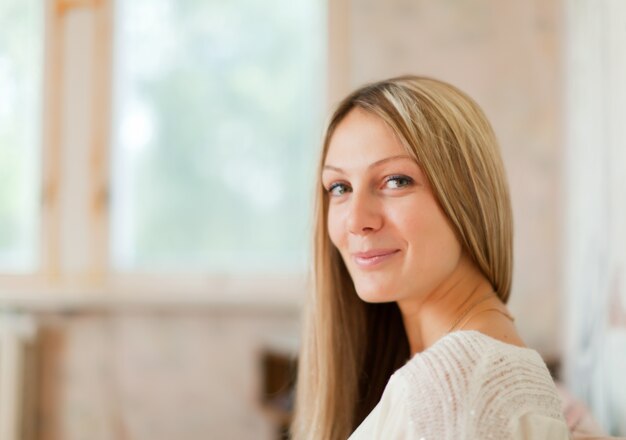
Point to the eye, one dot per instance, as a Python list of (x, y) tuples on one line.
[(338, 189), (398, 181)]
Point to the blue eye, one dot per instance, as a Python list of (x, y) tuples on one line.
[(337, 189), (398, 181)]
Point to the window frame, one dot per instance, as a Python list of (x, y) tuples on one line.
[(74, 269)]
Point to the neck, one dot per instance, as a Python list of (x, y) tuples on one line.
[(429, 318)]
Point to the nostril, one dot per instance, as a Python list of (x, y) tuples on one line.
[(363, 230)]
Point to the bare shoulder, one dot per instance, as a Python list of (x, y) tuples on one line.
[(496, 325)]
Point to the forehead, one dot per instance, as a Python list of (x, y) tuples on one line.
[(362, 138)]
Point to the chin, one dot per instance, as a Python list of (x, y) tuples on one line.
[(374, 296)]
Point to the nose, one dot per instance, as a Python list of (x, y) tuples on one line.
[(364, 215)]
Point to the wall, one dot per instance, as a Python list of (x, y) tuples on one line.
[(156, 375)]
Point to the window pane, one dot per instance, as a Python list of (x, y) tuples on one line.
[(21, 41), (216, 123)]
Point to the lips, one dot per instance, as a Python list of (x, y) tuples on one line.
[(373, 257)]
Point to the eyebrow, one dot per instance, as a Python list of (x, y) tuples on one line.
[(374, 164)]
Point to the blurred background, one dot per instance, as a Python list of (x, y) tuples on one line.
[(156, 172)]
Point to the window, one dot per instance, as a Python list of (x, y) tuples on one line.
[(177, 136), (216, 120), (21, 60)]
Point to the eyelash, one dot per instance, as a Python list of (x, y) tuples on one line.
[(409, 181), (388, 179), (332, 187)]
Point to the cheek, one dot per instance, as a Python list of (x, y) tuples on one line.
[(335, 227), (431, 237)]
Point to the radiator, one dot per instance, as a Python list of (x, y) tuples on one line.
[(17, 376)]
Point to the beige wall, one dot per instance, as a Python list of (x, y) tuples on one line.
[(189, 375)]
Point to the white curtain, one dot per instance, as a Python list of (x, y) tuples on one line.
[(595, 191)]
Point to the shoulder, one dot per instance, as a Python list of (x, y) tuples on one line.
[(463, 352), (507, 374), (488, 384), (472, 353)]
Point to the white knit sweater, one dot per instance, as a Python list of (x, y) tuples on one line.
[(468, 386)]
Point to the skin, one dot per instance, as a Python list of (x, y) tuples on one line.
[(379, 199)]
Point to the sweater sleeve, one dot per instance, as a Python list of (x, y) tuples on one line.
[(515, 398), (471, 387)]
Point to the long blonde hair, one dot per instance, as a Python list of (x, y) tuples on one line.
[(350, 348)]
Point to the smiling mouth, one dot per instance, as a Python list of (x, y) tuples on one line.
[(371, 259)]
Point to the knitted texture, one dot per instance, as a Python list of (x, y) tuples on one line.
[(469, 386)]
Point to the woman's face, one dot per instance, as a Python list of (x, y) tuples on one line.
[(383, 217)]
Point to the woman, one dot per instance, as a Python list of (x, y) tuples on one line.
[(406, 333)]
